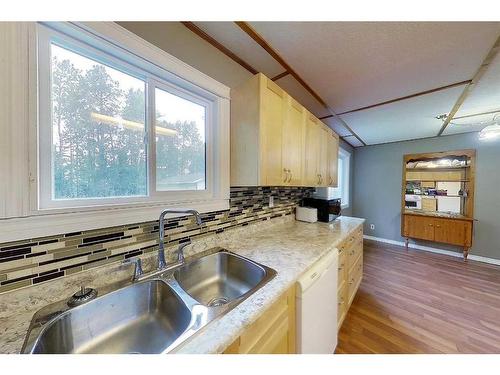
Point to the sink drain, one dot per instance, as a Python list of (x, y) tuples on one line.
[(217, 301)]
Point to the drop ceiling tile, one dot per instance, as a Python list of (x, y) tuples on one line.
[(485, 95), (353, 141), (356, 64), (337, 126), (407, 119), (236, 40)]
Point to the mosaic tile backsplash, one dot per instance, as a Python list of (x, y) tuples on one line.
[(27, 262)]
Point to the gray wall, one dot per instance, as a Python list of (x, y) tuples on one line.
[(377, 188), (179, 41)]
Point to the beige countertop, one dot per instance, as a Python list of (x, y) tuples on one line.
[(444, 215), (288, 246)]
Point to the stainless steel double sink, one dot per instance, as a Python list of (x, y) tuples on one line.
[(155, 315)]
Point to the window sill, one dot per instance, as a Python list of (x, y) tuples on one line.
[(52, 224)]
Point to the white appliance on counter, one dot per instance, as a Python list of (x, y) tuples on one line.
[(316, 303), (307, 214), (413, 201)]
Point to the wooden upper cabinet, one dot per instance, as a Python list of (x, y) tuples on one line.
[(325, 136), (333, 160), (321, 154), (312, 152), (273, 105), (293, 142), (275, 141)]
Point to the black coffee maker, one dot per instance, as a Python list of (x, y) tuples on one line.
[(328, 209)]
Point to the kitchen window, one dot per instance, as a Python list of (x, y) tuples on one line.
[(344, 177), (116, 130)]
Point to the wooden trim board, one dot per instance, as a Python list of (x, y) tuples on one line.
[(226, 51), (262, 42), (470, 86), (401, 98)]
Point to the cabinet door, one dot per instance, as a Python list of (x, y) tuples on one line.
[(453, 232), (419, 227), (333, 160), (271, 136), (272, 333), (323, 155), (293, 143), (312, 154)]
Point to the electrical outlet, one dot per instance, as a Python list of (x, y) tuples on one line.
[(271, 201), (372, 226)]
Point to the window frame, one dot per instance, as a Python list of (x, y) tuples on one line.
[(345, 158), (171, 89), (44, 203), (20, 217)]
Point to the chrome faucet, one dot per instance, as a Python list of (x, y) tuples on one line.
[(161, 249)]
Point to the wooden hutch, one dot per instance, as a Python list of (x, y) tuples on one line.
[(438, 197)]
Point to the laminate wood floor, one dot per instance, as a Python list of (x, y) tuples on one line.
[(420, 302)]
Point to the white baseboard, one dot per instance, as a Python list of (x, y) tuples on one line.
[(477, 258)]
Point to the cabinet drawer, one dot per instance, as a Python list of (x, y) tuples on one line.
[(354, 253), (342, 275), (359, 232), (343, 246), (342, 305), (354, 280), (356, 267)]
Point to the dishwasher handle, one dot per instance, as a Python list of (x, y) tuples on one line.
[(316, 271)]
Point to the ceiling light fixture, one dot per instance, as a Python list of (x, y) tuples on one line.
[(491, 131), (490, 128)]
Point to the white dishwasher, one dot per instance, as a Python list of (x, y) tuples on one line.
[(316, 299)]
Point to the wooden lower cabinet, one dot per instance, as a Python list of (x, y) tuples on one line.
[(272, 333), (350, 272), (419, 227), (453, 231)]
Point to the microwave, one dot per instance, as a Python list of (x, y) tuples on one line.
[(413, 201)]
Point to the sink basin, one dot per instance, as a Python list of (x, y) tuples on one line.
[(142, 318), (220, 278), (156, 315)]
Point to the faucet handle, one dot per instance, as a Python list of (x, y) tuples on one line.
[(137, 269), (180, 250)]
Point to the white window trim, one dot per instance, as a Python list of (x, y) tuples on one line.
[(346, 172), (22, 220)]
